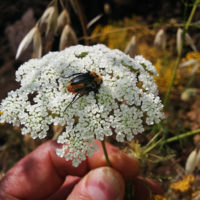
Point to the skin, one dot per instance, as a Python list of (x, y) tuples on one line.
[(43, 175)]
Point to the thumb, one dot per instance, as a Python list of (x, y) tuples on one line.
[(102, 183)]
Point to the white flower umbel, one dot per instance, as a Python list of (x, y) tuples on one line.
[(126, 101)]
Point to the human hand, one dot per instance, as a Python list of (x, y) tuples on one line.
[(43, 175)]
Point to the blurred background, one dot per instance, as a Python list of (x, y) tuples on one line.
[(150, 28)]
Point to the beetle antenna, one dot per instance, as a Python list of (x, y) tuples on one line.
[(73, 100), (73, 75)]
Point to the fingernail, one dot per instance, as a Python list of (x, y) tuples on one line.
[(107, 184)]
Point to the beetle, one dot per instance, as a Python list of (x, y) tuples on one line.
[(82, 84)]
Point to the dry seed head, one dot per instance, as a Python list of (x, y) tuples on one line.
[(131, 48), (107, 8), (48, 13), (49, 18), (68, 38), (189, 41), (179, 40), (94, 20), (196, 66), (188, 63), (189, 94), (160, 40), (192, 161), (62, 20), (26, 41), (198, 160), (37, 44)]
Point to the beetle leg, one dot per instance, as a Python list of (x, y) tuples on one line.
[(95, 96), (73, 100)]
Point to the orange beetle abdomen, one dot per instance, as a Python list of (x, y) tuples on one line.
[(73, 88)]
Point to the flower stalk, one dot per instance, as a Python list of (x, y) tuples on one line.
[(181, 136), (129, 194), (185, 29), (106, 153), (129, 185), (171, 139)]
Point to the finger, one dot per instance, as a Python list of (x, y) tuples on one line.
[(44, 169), (144, 188), (38, 174), (125, 164), (65, 189), (101, 183)]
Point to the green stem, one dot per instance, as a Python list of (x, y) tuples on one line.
[(129, 184), (172, 80), (129, 193), (105, 153), (181, 136), (191, 15), (172, 139), (152, 146), (153, 139), (185, 28)]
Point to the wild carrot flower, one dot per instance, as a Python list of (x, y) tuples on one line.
[(127, 99)]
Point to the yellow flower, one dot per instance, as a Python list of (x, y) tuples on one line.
[(183, 185), (192, 55), (159, 197)]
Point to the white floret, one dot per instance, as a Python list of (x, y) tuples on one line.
[(126, 101)]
